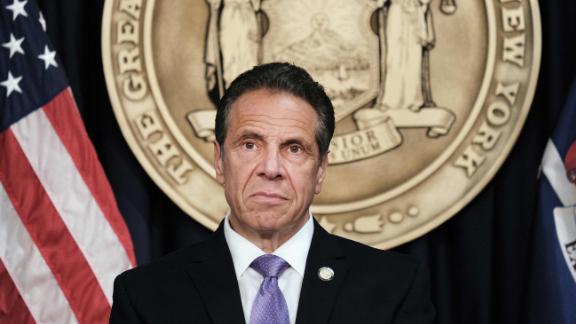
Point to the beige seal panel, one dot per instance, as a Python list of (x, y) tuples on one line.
[(430, 96)]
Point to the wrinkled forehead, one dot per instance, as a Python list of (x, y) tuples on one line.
[(272, 114), (276, 107)]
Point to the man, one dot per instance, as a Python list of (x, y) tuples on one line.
[(269, 261)]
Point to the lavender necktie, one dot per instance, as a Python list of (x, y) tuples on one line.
[(269, 305)]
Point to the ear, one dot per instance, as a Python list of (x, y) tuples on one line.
[(218, 163), (321, 174)]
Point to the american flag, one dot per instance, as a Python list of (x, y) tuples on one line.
[(62, 238)]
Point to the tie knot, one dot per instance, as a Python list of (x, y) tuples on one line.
[(269, 265)]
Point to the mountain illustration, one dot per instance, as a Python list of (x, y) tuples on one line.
[(324, 49)]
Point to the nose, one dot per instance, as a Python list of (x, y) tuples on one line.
[(271, 165)]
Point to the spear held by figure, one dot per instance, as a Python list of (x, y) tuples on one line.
[(212, 56)]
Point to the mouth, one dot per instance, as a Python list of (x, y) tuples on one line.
[(268, 197)]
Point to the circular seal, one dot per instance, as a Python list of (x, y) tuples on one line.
[(430, 96)]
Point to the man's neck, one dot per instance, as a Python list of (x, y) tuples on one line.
[(267, 241)]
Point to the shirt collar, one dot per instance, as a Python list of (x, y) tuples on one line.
[(294, 251)]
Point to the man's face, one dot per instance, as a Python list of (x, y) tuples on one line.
[(270, 165)]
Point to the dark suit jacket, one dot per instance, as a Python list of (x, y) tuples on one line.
[(198, 285)]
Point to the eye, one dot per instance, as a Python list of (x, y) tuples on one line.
[(249, 145), (294, 148)]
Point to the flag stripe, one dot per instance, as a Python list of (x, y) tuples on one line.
[(553, 168), (13, 309), (28, 272), (67, 123), (57, 174), (50, 234)]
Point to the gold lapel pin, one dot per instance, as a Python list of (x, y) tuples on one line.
[(325, 273)]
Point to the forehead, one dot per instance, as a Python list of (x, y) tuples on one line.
[(275, 111)]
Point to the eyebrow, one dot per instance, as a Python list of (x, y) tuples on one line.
[(248, 134)]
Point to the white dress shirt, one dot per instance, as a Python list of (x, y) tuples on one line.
[(294, 251)]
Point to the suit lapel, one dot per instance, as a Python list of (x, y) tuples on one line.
[(317, 297), (213, 274)]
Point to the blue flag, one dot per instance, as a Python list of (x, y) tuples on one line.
[(551, 289)]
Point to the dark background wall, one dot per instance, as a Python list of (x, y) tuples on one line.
[(478, 260)]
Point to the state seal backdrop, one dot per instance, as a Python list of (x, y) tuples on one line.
[(430, 96)]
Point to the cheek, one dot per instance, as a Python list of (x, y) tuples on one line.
[(238, 176), (306, 184)]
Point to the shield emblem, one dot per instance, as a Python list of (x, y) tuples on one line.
[(332, 40)]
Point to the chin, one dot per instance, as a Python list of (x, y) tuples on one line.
[(268, 221)]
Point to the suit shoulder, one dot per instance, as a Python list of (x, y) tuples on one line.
[(367, 254), (167, 264)]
